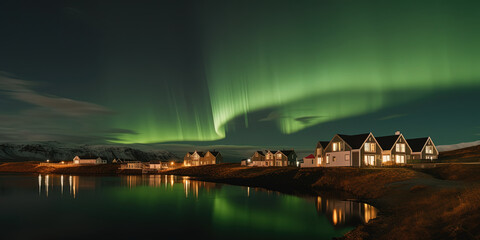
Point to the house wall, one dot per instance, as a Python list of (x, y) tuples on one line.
[(424, 153), (407, 154), (319, 154), (309, 162), (342, 159), (377, 153), (209, 159), (356, 162)]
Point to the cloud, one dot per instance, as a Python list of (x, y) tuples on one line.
[(392, 116), (22, 90), (271, 117), (306, 119)]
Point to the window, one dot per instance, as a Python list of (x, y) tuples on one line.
[(312, 161), (429, 150), (279, 155), (369, 160), (319, 160), (386, 158), (333, 159), (335, 147), (279, 163), (266, 163), (328, 159), (400, 147), (347, 157), (399, 159), (369, 147)]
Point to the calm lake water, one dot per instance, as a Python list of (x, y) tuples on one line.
[(169, 207)]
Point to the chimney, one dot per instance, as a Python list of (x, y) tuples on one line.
[(397, 133)]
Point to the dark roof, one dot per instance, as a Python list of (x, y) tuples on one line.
[(155, 162), (261, 153), (191, 153), (201, 154), (90, 157), (287, 152), (214, 153), (386, 142), (355, 141), (417, 144), (324, 143)]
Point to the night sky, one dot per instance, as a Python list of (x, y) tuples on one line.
[(286, 73)]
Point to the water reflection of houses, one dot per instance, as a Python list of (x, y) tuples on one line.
[(341, 213), (65, 184), (191, 187)]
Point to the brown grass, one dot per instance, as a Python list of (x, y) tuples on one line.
[(463, 172)]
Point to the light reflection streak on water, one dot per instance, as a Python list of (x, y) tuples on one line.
[(339, 213)]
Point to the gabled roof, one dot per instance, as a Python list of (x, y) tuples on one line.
[(324, 143), (287, 152), (310, 156), (355, 141), (261, 153), (416, 144), (90, 157), (191, 153), (387, 142), (214, 153), (201, 154)]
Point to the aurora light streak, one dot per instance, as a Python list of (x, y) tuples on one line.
[(208, 70)]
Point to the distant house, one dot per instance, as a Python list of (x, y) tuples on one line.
[(132, 165), (423, 148), (285, 158), (200, 158), (156, 164), (258, 159), (246, 162), (320, 153), (213, 157), (89, 160), (309, 161), (395, 149), (353, 150)]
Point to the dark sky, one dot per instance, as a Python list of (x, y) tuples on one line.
[(286, 73)]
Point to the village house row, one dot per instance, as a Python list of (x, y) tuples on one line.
[(360, 150)]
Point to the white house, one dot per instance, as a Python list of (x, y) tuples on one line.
[(309, 161), (89, 160)]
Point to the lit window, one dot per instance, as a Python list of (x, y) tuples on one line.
[(399, 158), (400, 147), (336, 147), (369, 147), (429, 150), (386, 158), (369, 160), (319, 160), (279, 155), (328, 159), (333, 159), (347, 157)]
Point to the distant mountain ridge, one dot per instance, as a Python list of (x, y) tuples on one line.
[(55, 151)]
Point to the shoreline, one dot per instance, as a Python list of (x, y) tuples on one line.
[(439, 203)]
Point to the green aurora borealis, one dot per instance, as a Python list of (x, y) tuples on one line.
[(206, 70), (322, 62)]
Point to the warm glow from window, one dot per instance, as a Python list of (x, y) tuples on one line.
[(336, 146), (429, 150), (399, 158), (400, 147), (386, 158), (369, 147)]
